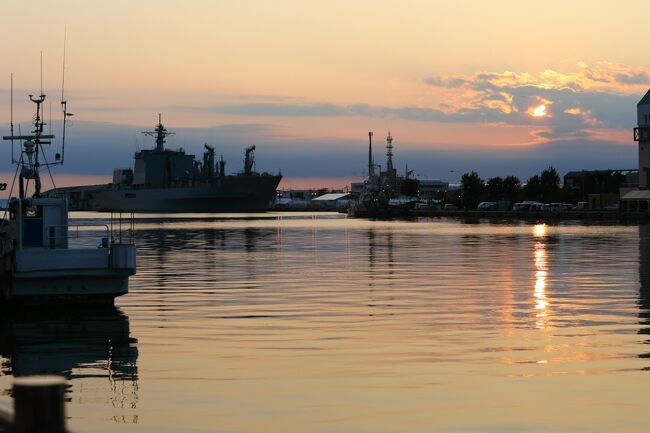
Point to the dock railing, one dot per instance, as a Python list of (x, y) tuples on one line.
[(38, 406)]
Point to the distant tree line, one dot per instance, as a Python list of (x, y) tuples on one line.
[(544, 187)]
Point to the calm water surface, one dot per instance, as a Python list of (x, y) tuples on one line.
[(310, 323)]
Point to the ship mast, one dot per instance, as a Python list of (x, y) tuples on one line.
[(160, 133), (371, 168), (32, 146)]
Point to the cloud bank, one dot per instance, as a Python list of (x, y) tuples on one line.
[(576, 103), (588, 112)]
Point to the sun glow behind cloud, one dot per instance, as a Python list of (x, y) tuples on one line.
[(539, 111), (584, 98)]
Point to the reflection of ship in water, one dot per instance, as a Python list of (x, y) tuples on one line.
[(82, 345), (196, 251), (644, 283)]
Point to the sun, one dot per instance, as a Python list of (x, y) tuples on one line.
[(539, 111)]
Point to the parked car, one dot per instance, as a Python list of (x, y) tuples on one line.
[(487, 205), (581, 205), (611, 207), (450, 206)]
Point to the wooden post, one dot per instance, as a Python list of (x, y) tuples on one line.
[(39, 404)]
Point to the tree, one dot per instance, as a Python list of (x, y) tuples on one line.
[(511, 188), (472, 187), (550, 185), (533, 188), (495, 188)]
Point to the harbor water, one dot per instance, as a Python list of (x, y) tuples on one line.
[(318, 323)]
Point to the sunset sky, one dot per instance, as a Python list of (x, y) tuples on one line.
[(500, 87)]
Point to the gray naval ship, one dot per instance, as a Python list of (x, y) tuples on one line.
[(165, 180)]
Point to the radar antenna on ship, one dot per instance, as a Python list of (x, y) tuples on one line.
[(160, 133), (28, 163)]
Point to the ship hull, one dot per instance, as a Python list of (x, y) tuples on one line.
[(228, 194)]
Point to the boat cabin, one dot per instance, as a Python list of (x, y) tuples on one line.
[(39, 222)]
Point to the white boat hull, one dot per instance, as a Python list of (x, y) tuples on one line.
[(67, 276), (74, 286)]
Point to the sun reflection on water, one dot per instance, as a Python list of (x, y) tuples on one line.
[(541, 301)]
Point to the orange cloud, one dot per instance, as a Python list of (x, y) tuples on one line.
[(569, 104)]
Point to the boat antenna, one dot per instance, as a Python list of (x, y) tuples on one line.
[(63, 75), (11, 122), (64, 103), (41, 72)]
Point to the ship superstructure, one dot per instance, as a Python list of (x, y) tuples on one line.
[(383, 191), (165, 180)]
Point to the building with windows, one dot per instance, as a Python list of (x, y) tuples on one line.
[(639, 199)]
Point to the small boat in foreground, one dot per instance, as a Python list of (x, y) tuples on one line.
[(44, 259)]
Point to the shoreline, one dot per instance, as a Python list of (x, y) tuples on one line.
[(589, 215)]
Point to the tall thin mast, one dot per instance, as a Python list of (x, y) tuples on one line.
[(11, 104), (64, 103), (371, 168), (41, 72)]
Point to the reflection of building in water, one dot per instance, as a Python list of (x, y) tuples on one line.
[(380, 241), (82, 345), (203, 256), (644, 283), (381, 269)]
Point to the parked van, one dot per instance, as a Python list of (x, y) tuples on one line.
[(487, 205)]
